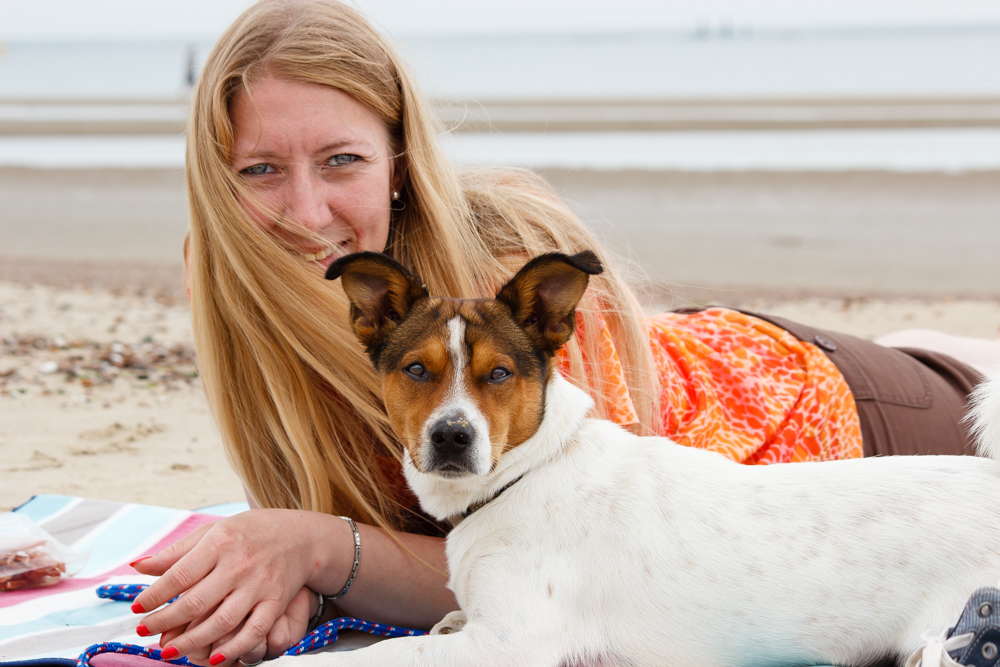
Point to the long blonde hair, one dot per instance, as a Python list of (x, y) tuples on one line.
[(296, 399)]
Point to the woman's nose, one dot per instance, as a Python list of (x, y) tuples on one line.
[(306, 202)]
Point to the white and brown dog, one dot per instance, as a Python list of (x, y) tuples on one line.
[(586, 545)]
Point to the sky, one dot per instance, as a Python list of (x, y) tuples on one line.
[(201, 19)]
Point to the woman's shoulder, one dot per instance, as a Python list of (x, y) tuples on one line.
[(717, 332), (694, 319)]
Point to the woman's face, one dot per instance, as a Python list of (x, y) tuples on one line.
[(321, 161)]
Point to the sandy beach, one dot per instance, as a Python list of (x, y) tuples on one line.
[(99, 394), (100, 398)]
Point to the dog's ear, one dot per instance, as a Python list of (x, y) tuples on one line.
[(542, 297), (382, 293)]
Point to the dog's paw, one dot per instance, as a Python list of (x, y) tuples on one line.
[(453, 622)]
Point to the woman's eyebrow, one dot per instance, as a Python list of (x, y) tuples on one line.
[(331, 147), (342, 143)]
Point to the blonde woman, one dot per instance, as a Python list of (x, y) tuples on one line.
[(308, 141)]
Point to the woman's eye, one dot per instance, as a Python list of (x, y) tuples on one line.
[(258, 169), (499, 374), (416, 370), (342, 159)]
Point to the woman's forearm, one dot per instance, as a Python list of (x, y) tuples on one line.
[(392, 585), (398, 584)]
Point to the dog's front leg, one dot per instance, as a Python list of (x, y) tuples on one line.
[(472, 647), (453, 622)]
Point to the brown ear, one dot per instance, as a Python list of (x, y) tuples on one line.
[(382, 293), (543, 296)]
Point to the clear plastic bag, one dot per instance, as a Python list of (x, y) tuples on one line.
[(30, 557)]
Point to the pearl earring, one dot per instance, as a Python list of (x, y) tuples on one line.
[(396, 204)]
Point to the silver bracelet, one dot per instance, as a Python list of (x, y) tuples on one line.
[(318, 616), (357, 559)]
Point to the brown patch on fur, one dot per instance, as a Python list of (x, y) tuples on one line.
[(514, 408), (409, 401)]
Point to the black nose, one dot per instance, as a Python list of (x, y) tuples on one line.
[(451, 437)]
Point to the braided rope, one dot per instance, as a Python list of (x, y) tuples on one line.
[(322, 636), (327, 633), (130, 649), (120, 592)]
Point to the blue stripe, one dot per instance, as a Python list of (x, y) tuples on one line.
[(43, 506), (64, 618)]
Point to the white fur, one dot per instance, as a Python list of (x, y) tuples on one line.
[(616, 549), (456, 344), (983, 419)]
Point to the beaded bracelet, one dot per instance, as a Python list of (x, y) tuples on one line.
[(357, 558)]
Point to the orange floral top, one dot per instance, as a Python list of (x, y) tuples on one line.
[(738, 385)]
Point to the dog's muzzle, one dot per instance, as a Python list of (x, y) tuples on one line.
[(451, 446)]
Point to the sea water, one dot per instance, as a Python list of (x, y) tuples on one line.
[(953, 63), (859, 63)]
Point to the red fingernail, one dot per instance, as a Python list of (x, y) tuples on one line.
[(216, 659), (169, 653), (138, 560), (137, 608), (142, 630)]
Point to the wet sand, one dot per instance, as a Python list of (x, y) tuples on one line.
[(873, 234), (869, 234)]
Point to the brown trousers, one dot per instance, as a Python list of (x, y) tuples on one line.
[(910, 401)]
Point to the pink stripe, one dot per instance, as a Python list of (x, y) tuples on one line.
[(11, 598), (124, 660)]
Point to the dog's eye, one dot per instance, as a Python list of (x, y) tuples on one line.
[(499, 374), (416, 371)]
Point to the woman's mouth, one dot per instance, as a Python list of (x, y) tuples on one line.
[(336, 251), (318, 256)]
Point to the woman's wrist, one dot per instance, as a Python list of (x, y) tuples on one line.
[(335, 551)]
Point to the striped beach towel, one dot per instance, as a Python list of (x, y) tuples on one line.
[(60, 621)]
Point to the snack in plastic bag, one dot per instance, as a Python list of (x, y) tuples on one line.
[(30, 557)]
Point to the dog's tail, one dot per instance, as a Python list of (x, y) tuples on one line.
[(984, 417)]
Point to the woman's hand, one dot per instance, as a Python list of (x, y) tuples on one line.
[(238, 578), (287, 631), (241, 582)]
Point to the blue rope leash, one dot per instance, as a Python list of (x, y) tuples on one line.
[(130, 649), (322, 636)]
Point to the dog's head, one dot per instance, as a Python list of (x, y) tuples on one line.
[(463, 379)]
